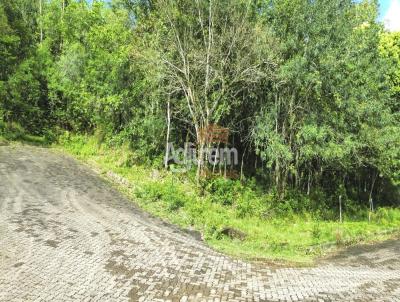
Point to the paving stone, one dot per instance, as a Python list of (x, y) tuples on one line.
[(66, 235)]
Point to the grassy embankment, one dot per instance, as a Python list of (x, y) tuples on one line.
[(289, 236), (175, 198)]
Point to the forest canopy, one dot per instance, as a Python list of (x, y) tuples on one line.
[(310, 90)]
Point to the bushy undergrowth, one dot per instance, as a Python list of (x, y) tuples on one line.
[(297, 228), (14, 132), (173, 197)]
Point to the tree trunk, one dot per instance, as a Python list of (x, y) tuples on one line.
[(41, 21), (62, 24), (168, 132), (371, 202)]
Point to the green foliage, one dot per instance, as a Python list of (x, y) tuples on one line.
[(25, 95), (386, 216), (390, 49), (15, 132), (330, 98), (8, 46), (223, 191), (12, 131), (80, 145), (249, 204), (163, 192)]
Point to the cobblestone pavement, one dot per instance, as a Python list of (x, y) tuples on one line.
[(65, 235)]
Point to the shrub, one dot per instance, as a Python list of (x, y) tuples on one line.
[(12, 131), (223, 191), (248, 204), (316, 231), (173, 197), (386, 215)]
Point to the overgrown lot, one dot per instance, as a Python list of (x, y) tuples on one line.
[(235, 217)]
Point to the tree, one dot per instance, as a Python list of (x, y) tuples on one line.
[(213, 54), (9, 42), (329, 87), (390, 50)]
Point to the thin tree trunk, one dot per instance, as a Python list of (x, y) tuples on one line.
[(41, 20), (200, 161), (371, 202), (224, 167), (241, 167), (371, 191), (216, 158), (168, 132), (62, 24)]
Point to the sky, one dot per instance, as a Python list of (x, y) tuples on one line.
[(390, 14), (384, 6)]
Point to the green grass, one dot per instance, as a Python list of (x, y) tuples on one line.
[(294, 238)]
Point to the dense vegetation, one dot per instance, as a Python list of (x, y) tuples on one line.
[(310, 91)]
